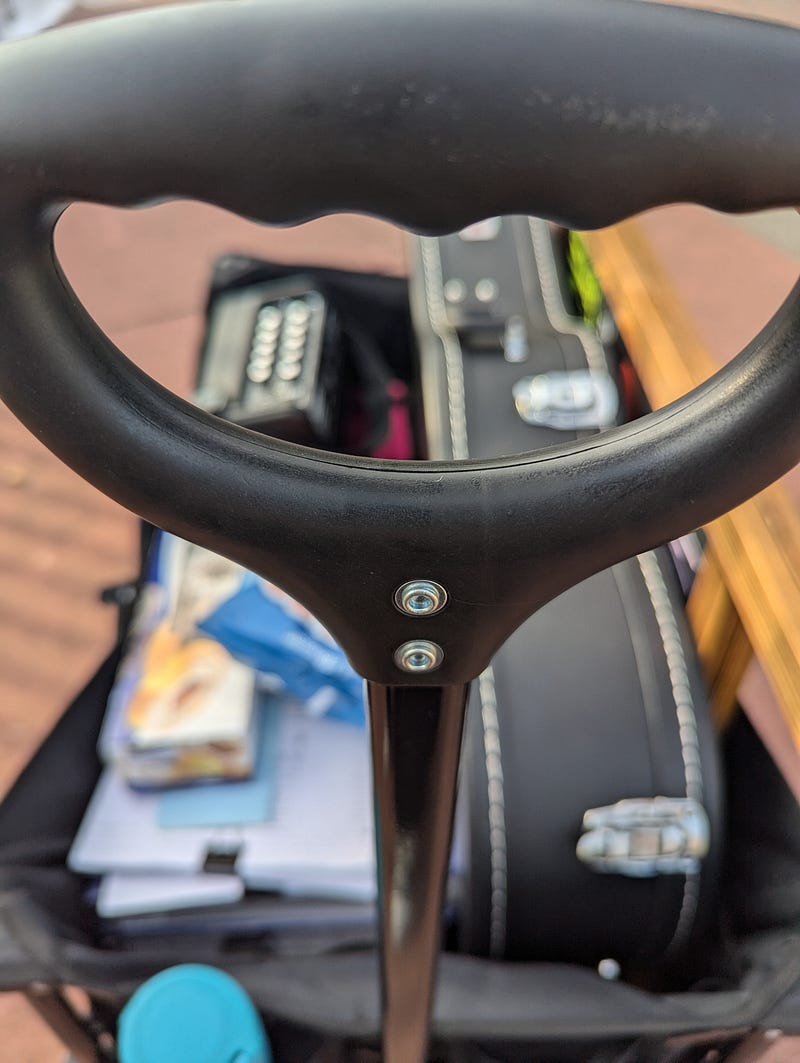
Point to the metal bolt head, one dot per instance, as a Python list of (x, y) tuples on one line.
[(609, 969), (486, 290), (455, 290), (418, 656), (420, 597)]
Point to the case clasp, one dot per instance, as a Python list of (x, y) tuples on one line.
[(644, 837), (570, 401)]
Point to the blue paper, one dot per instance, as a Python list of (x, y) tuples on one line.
[(255, 626), (231, 803)]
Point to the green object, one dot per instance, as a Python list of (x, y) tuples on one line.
[(191, 1014), (584, 280)]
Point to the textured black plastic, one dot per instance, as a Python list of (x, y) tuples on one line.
[(430, 115)]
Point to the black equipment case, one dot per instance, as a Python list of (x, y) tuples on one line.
[(594, 799)]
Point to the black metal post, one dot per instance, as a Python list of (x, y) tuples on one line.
[(416, 745)]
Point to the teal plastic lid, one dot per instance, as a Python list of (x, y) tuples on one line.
[(191, 1014)]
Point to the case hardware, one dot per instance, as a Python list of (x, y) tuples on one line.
[(643, 837), (572, 400)]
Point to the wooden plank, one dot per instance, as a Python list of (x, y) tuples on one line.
[(757, 545), (722, 643)]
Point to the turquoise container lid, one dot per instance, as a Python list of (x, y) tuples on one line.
[(191, 1014)]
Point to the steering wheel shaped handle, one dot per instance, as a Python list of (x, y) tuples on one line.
[(432, 116)]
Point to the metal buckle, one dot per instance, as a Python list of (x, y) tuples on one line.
[(569, 401), (643, 837)]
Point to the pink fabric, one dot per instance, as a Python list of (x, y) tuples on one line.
[(398, 442)]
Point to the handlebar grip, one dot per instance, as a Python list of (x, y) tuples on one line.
[(340, 533), (431, 115)]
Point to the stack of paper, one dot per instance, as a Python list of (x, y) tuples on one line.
[(301, 826), (220, 778), (182, 708)]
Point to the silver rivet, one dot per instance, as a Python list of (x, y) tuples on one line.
[(269, 326), (297, 312), (270, 316), (420, 597), (259, 374), (297, 330), (455, 290), (289, 370), (263, 349), (292, 343), (486, 290), (418, 656), (609, 969)]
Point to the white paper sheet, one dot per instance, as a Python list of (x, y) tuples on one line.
[(121, 895), (319, 843)]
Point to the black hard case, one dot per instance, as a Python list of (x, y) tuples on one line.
[(597, 698)]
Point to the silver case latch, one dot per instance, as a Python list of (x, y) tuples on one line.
[(644, 837), (569, 401)]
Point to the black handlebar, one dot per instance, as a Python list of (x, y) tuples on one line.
[(431, 115)]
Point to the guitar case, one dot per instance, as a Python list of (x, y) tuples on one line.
[(591, 801)]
